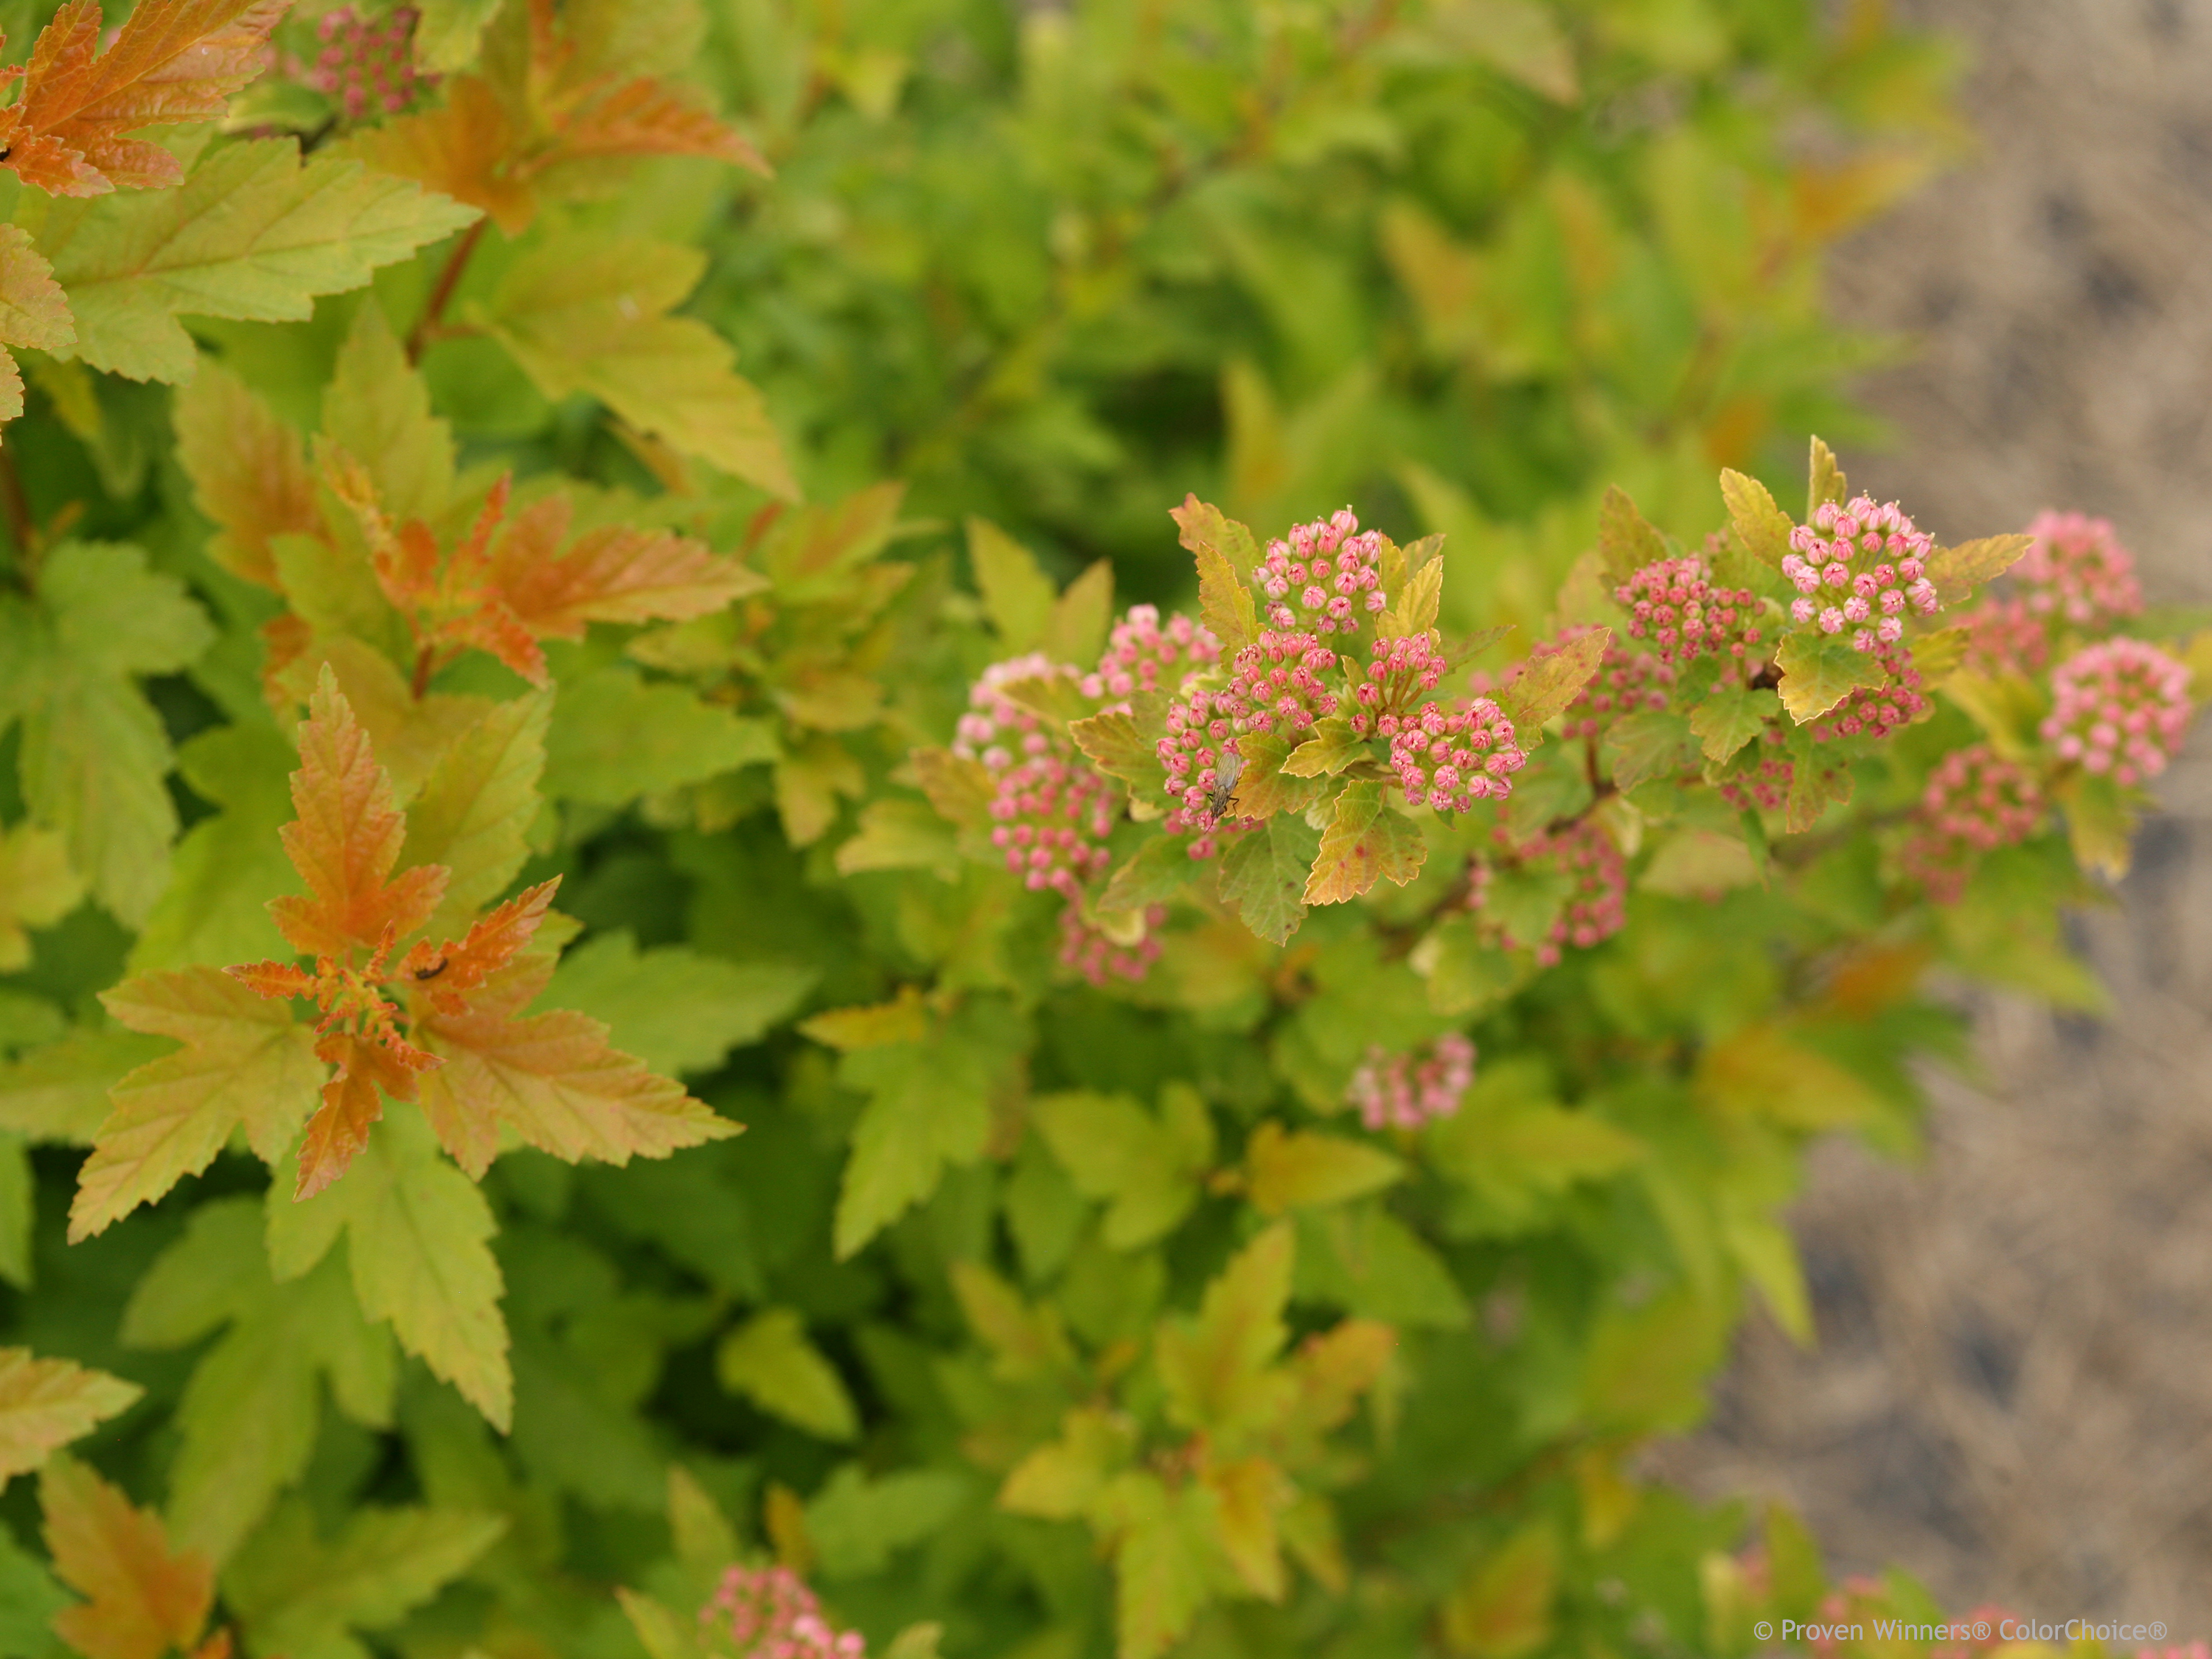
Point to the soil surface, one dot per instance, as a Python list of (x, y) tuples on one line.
[(2012, 1393)]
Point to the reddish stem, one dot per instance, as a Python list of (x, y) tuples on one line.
[(441, 292)]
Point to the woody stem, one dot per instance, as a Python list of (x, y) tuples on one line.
[(442, 293), (21, 526)]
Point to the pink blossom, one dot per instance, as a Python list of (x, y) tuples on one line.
[(366, 64), (2003, 636), (1052, 809), (1862, 567), (2118, 708), (1325, 578), (1143, 653), (767, 1613), (2075, 570), (1278, 684), (1877, 711), (1405, 1091), (1595, 908), (1092, 953), (1764, 787), (1976, 801), (1196, 753), (1674, 604), (1451, 758)]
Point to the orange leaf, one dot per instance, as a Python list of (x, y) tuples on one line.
[(275, 979), (451, 970), (612, 575), (339, 1128), (346, 839), (460, 149), (248, 470), (141, 1600), (175, 61), (554, 1078), (647, 116)]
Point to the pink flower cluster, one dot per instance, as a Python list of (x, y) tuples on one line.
[(1196, 750), (1055, 810), (2118, 706), (1143, 654), (1404, 1091), (1596, 907), (1674, 604), (1098, 957), (2004, 637), (1861, 567), (1976, 801), (1324, 578), (368, 65), (1400, 673), (1626, 683), (2075, 570), (1764, 787), (1449, 758), (767, 1613), (1276, 682), (1877, 711)]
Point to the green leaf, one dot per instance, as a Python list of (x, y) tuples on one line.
[(1333, 747), (37, 889), (59, 1092), (1264, 872), (1017, 597), (770, 1361), (1468, 974), (304, 1598), (620, 737), (474, 811), (1503, 1609), (1625, 541), (1154, 873), (586, 311), (1825, 480), (1731, 717), (1302, 1169), (94, 754), (1114, 1150), (662, 1634), (1820, 669), (678, 1011), (1061, 1479), (929, 1102), (228, 865), (377, 409), (245, 1062), (1761, 527), (1652, 742), (1645, 1368), (1216, 1369), (419, 1236), (1415, 611), (1121, 746), (446, 31), (1958, 571), (1227, 554), (859, 1522), (18, 1209), (47, 1403), (1366, 843), (1080, 620), (1362, 1258), (1166, 1542), (900, 834), (254, 234), (249, 1415), (1262, 788), (1546, 685)]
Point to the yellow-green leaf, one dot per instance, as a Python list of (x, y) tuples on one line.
[(1300, 1169), (769, 1360)]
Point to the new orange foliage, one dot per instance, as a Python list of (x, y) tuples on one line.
[(175, 61), (141, 1600)]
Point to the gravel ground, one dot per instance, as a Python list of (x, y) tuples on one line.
[(2012, 1394)]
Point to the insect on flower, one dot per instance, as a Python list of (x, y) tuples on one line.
[(1226, 771)]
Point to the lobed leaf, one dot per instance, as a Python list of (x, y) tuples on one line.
[(47, 1403), (1366, 843)]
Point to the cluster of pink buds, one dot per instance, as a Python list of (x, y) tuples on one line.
[(1860, 567), (1764, 787), (1276, 682), (767, 1613), (1325, 578), (1401, 674), (1053, 813), (1976, 801), (1404, 1091), (2118, 708), (1626, 683), (1092, 953), (2076, 571), (1449, 758), (1145, 654), (2004, 637), (1674, 604), (1877, 711), (368, 65), (995, 720), (1596, 907), (1201, 763)]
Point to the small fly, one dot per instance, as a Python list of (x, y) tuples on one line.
[(1227, 770)]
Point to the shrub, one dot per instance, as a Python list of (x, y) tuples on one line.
[(1249, 1118)]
